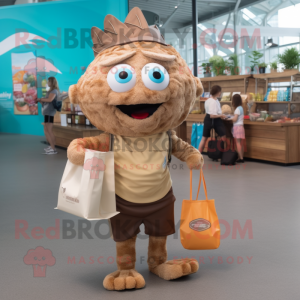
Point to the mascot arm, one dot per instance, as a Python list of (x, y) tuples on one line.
[(186, 152), (76, 150)]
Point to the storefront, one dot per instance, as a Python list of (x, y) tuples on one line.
[(273, 139), (228, 39), (120, 205)]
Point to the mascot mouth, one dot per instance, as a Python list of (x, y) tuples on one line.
[(139, 111)]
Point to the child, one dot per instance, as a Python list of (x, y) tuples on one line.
[(238, 130)]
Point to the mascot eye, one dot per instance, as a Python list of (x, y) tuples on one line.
[(155, 77), (121, 78)]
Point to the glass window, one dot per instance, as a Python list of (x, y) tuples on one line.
[(174, 19), (247, 30)]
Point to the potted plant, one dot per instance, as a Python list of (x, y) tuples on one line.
[(290, 58), (232, 64), (273, 66), (262, 68), (218, 65), (255, 56), (206, 69)]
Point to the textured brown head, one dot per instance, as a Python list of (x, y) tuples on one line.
[(137, 88), (134, 29)]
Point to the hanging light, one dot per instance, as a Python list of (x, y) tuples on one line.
[(270, 43)]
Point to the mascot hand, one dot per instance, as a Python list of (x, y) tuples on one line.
[(76, 152), (77, 148), (195, 161)]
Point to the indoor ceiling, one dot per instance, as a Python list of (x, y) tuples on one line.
[(183, 16), (7, 2)]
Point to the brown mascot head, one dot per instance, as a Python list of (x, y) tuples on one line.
[(137, 85)]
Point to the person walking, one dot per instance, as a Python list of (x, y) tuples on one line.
[(49, 111), (213, 118)]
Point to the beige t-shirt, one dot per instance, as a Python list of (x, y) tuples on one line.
[(141, 171)]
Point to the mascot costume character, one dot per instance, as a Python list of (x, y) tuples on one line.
[(137, 89)]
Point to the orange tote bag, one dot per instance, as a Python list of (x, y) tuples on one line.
[(199, 228)]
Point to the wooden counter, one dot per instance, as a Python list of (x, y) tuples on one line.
[(66, 134), (276, 142)]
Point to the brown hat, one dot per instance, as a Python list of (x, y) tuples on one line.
[(134, 29)]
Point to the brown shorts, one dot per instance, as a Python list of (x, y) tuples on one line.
[(158, 218)]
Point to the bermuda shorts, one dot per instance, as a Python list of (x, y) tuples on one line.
[(216, 124), (48, 119), (157, 217)]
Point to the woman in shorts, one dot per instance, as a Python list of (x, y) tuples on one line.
[(213, 118), (49, 111)]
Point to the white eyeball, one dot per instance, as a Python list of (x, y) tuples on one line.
[(155, 77), (121, 78)]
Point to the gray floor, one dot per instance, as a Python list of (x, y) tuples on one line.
[(266, 195)]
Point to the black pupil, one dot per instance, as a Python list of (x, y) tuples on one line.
[(123, 75), (156, 75)]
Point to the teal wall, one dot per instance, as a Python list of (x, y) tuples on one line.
[(46, 20)]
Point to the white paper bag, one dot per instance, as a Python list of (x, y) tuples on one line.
[(88, 191)]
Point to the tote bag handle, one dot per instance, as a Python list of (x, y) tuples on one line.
[(204, 185)]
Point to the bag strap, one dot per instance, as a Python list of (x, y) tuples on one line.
[(111, 142), (170, 147), (199, 185), (213, 134), (204, 184)]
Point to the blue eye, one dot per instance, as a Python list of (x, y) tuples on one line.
[(155, 77), (121, 78), (123, 75)]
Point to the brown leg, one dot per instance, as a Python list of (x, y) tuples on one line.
[(126, 277), (168, 270)]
